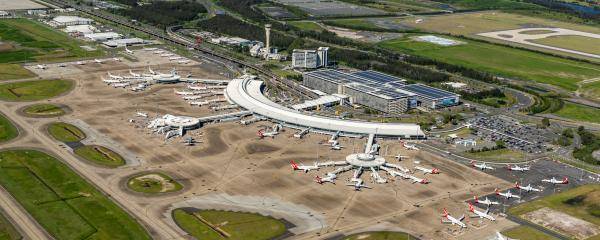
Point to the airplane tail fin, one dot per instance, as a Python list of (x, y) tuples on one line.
[(508, 167), (497, 191), (294, 165), (424, 181), (445, 212), (318, 180), (435, 171), (473, 163), (565, 180), (517, 185), (475, 198), (471, 209)]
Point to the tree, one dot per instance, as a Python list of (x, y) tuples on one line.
[(545, 122)]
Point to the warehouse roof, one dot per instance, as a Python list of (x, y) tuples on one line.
[(429, 92), (370, 82), (66, 19)]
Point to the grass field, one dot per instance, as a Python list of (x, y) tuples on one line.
[(399, 5), (579, 113), (7, 130), (44, 110), (488, 21), (65, 132), (38, 42), (358, 24), (62, 202), (502, 60), (33, 90), (7, 230), (500, 155), (577, 43), (591, 90), (581, 202), (529, 233), (14, 71), (100, 155), (153, 183), (378, 236), (306, 25), (242, 226)]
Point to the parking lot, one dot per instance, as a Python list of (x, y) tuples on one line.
[(515, 135)]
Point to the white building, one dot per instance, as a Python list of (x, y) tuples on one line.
[(310, 59), (124, 42), (60, 21), (83, 29), (37, 12), (104, 36)]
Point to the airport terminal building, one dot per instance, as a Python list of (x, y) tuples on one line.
[(379, 91)]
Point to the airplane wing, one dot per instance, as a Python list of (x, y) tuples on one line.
[(446, 221), (461, 218)]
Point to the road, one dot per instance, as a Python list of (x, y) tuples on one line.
[(28, 227)]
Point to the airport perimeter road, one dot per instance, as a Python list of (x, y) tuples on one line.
[(27, 226), (157, 228)]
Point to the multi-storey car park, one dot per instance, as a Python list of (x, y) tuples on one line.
[(379, 91)]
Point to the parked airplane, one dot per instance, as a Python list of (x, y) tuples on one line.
[(452, 220), (301, 167), (116, 59), (134, 74), (507, 194), (189, 141), (480, 214), (113, 81), (481, 166), (517, 168), (555, 181), (486, 201), (183, 61), (329, 178), (98, 61), (358, 184), (427, 170), (41, 66), (400, 157), (336, 146), (527, 188), (142, 114), (115, 76), (417, 180), (499, 236), (262, 133), (122, 85), (128, 51), (410, 146), (334, 137)]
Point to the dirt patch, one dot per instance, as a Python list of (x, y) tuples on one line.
[(215, 145), (562, 223), (252, 148), (5, 47)]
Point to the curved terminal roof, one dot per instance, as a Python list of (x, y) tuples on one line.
[(248, 94)]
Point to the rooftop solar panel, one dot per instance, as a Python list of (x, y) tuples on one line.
[(428, 92)]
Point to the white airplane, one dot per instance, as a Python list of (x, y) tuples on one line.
[(329, 178), (128, 51), (113, 81), (481, 166), (427, 170), (98, 61), (400, 157), (499, 236), (116, 59), (301, 167), (417, 180), (527, 188), (517, 168), (261, 133), (486, 201), (62, 65), (142, 114), (41, 66), (358, 184), (121, 85), (190, 141), (137, 75), (336, 146), (183, 61), (334, 137), (507, 194), (555, 181), (410, 146), (452, 220), (480, 214), (115, 76), (151, 71)]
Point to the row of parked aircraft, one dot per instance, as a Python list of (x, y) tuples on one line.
[(449, 219), (171, 56)]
